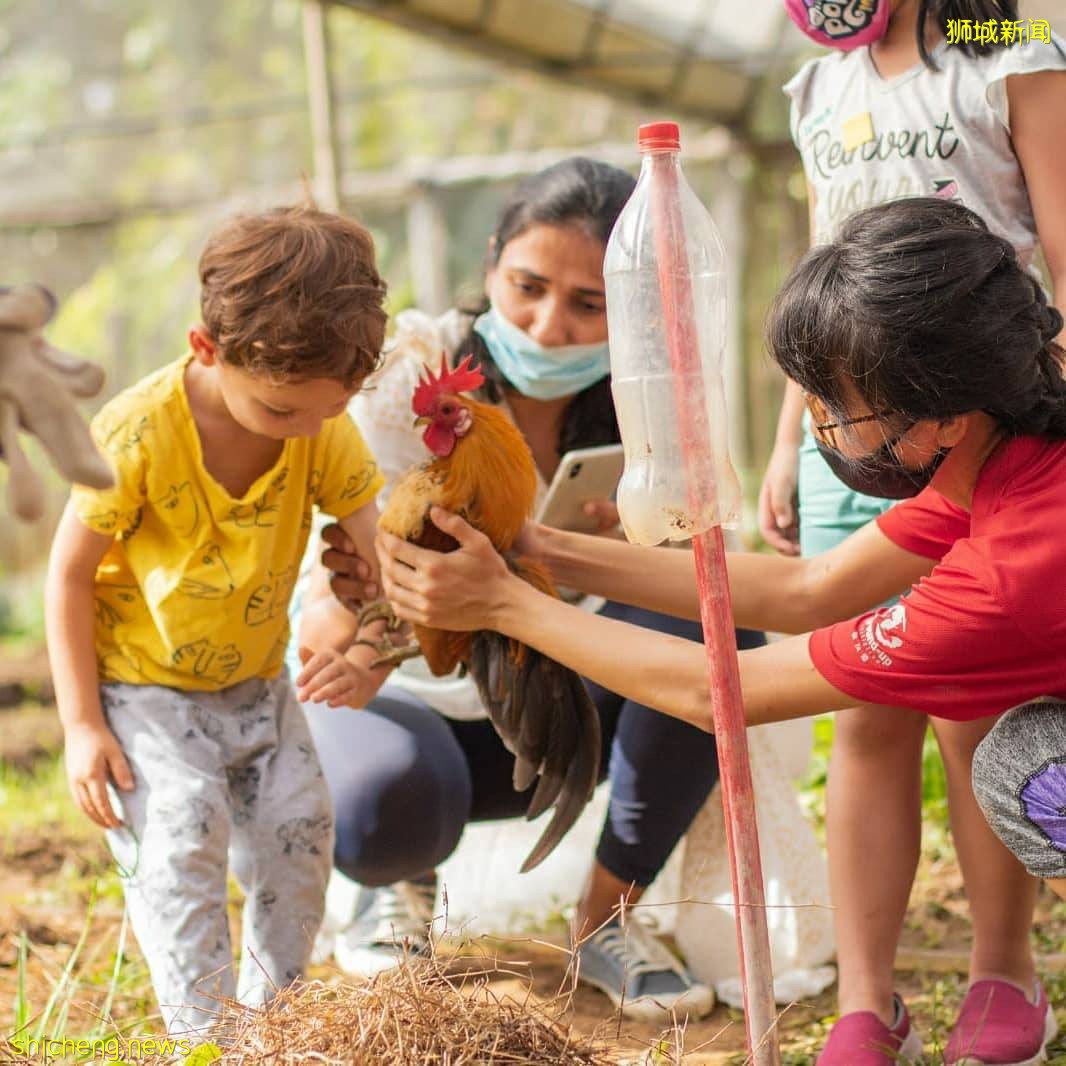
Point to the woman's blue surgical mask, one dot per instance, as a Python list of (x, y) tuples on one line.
[(536, 371)]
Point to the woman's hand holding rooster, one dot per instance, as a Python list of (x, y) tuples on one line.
[(350, 574), (460, 590)]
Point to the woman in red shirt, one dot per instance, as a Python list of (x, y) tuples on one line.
[(928, 359)]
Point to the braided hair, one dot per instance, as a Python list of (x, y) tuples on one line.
[(925, 313)]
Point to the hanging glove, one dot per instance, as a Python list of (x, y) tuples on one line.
[(38, 384)]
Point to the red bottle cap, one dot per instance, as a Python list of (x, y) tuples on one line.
[(659, 136)]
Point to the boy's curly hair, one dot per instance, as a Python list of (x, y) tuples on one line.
[(294, 293)]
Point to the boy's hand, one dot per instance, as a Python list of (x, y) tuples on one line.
[(93, 755), (339, 679)]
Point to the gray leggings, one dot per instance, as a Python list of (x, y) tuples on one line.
[(220, 775), (1019, 778)]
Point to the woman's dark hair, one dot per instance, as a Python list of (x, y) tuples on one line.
[(589, 196), (927, 315), (942, 12)]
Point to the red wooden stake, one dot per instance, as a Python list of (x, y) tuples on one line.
[(716, 613)]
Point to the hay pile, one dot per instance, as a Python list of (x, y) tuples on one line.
[(420, 1014)]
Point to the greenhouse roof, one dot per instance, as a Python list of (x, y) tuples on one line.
[(695, 55), (704, 58)]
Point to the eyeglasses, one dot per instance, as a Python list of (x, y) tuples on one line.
[(822, 425)]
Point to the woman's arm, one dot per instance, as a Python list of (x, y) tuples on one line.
[(783, 594), (777, 682), (1037, 105), (473, 589)]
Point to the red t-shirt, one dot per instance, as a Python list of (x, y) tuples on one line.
[(986, 630)]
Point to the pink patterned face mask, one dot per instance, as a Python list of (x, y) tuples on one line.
[(843, 24)]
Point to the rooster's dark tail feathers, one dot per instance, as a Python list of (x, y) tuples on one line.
[(544, 715)]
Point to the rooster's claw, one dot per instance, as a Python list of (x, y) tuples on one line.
[(389, 654), (380, 611)]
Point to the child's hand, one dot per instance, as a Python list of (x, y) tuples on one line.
[(339, 679), (93, 755), (778, 501)]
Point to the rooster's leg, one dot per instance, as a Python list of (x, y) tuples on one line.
[(380, 611), (392, 654), (389, 654)]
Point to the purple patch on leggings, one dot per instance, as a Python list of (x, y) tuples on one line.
[(1043, 799)]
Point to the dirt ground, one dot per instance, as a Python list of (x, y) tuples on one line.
[(33, 865), (49, 873)]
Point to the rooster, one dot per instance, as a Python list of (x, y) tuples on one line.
[(481, 468)]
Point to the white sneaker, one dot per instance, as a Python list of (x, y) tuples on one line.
[(391, 921)]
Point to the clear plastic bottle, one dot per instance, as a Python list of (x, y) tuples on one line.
[(666, 314)]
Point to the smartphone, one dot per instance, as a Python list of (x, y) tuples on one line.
[(582, 475)]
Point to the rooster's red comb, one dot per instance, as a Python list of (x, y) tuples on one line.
[(464, 378)]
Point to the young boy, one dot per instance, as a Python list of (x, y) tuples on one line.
[(167, 601)]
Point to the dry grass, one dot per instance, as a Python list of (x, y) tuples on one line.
[(435, 1010)]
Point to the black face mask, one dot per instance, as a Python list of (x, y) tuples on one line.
[(880, 473)]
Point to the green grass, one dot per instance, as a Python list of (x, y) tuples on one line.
[(77, 902), (21, 610), (82, 988), (39, 802), (85, 979)]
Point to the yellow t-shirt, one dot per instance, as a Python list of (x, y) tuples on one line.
[(194, 592)]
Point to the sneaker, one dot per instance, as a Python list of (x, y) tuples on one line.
[(639, 976), (862, 1039), (391, 921), (999, 1024)]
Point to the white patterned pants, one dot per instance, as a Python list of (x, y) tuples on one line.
[(220, 775)]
